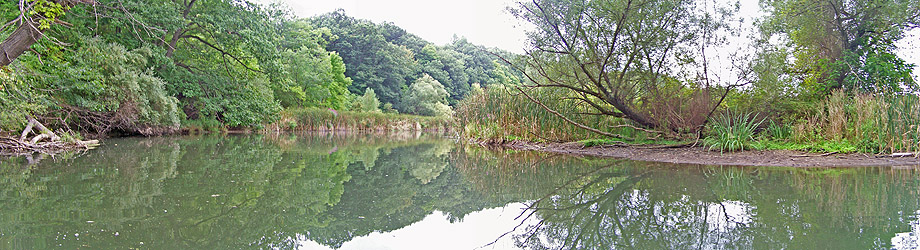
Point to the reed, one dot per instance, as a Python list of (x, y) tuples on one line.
[(880, 123), (320, 119), (502, 113), (898, 123)]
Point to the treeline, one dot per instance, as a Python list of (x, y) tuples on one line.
[(148, 67), (394, 63)]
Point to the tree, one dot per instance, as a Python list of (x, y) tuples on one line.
[(371, 60), (621, 58), (426, 96), (368, 102), (307, 74), (35, 16), (845, 44)]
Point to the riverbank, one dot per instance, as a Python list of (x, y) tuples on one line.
[(701, 155)]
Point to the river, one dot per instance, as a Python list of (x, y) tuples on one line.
[(429, 192)]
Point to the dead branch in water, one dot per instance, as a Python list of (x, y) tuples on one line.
[(44, 141)]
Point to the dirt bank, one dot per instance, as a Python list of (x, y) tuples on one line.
[(700, 155)]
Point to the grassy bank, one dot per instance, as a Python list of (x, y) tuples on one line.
[(843, 123), (319, 119), (849, 123)]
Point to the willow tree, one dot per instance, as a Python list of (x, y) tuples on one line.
[(841, 44), (634, 59)]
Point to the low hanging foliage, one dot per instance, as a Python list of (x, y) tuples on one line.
[(104, 87)]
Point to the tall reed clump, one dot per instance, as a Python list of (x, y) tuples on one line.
[(899, 123), (880, 123), (503, 113), (321, 119), (731, 131)]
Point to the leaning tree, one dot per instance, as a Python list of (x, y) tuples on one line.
[(35, 16), (642, 60)]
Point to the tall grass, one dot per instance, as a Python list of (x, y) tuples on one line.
[(320, 119), (872, 123), (898, 124), (500, 113)]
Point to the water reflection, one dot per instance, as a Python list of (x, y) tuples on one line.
[(423, 192), (636, 205)]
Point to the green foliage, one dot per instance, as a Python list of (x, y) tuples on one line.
[(778, 131), (850, 123), (18, 100), (426, 96), (367, 102), (308, 75), (108, 78), (312, 77), (371, 60), (731, 131), (388, 59), (49, 11), (317, 119), (845, 44)]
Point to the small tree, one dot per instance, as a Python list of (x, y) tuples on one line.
[(368, 102), (427, 97)]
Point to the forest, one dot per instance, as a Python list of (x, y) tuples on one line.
[(105, 68), (821, 75)]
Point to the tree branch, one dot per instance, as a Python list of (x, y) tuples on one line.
[(223, 52)]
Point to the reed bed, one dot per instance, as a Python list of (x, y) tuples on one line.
[(320, 119), (502, 113), (872, 123)]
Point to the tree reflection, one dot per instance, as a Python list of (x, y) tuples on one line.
[(275, 192), (657, 206), (230, 192)]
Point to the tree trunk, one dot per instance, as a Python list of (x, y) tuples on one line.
[(28, 33), (19, 42)]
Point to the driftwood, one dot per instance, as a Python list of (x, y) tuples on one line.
[(44, 141), (904, 155), (821, 155)]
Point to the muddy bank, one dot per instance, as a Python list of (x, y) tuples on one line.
[(700, 155)]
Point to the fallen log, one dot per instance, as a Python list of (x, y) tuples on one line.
[(44, 142)]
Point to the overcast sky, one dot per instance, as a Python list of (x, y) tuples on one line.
[(484, 22)]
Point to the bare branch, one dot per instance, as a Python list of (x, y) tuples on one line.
[(566, 119)]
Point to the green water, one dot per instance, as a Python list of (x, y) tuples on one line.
[(425, 192)]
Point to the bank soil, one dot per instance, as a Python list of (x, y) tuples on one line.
[(700, 155)]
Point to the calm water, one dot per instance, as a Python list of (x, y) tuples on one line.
[(411, 192)]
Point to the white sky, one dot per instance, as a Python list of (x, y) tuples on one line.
[(486, 22)]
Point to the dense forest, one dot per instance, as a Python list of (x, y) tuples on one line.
[(819, 75), (151, 67)]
